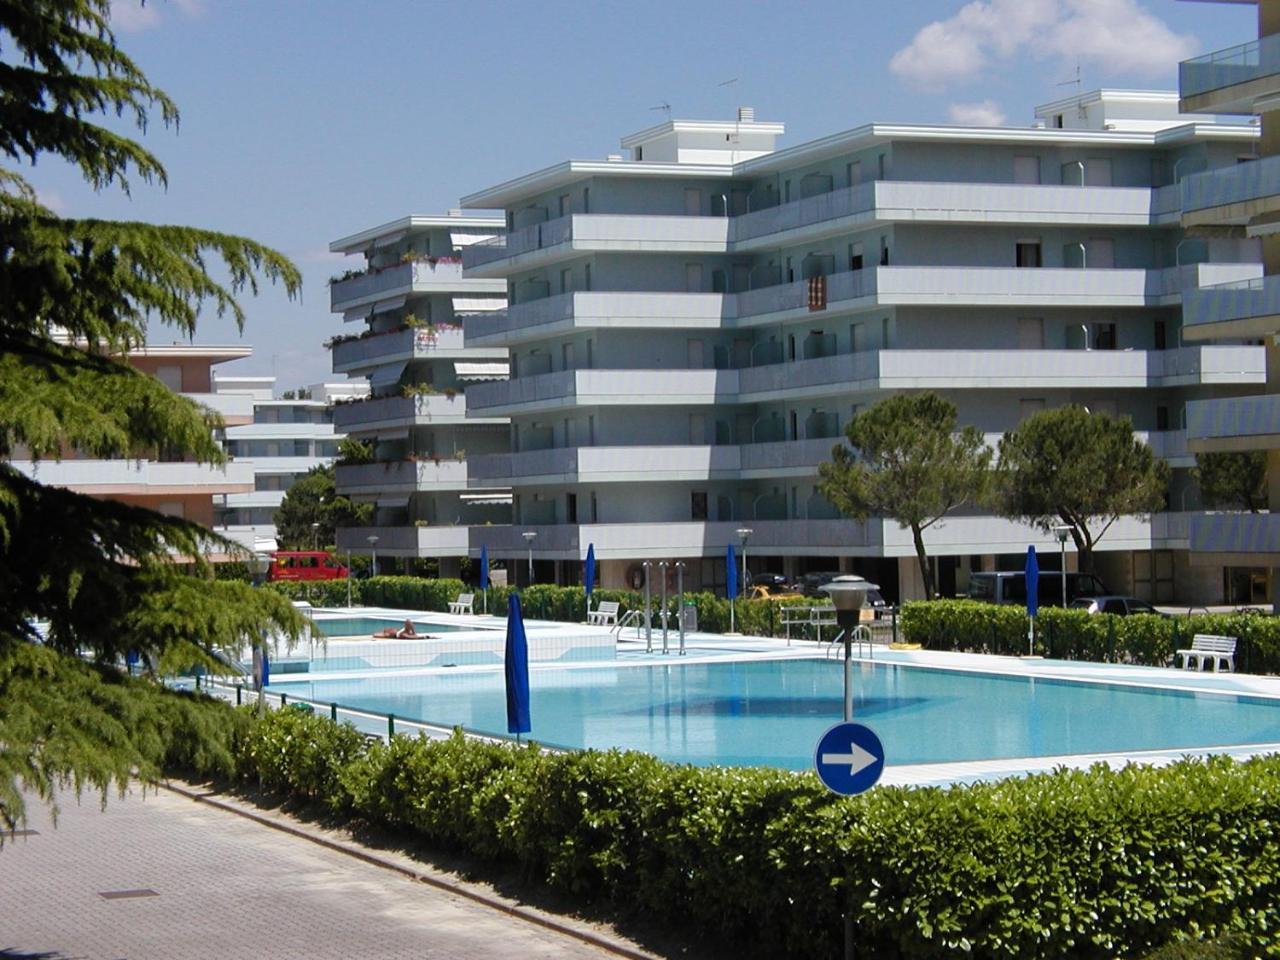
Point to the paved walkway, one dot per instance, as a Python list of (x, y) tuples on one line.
[(169, 877)]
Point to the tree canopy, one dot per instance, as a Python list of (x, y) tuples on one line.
[(1080, 469), (78, 295), (907, 462), (313, 499), (1236, 480)]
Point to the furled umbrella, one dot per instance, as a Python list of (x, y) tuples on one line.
[(1033, 597), (517, 670), (731, 582), (589, 575), (484, 576)]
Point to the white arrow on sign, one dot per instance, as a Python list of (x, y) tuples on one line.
[(857, 759)]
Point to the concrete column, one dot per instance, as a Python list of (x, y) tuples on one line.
[(1268, 17)]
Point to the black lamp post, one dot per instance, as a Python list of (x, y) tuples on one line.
[(848, 594)]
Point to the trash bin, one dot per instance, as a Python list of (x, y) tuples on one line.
[(689, 616)]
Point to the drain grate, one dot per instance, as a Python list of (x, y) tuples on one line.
[(12, 834), (126, 894)]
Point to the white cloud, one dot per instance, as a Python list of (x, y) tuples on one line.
[(133, 16), (1120, 36), (987, 113), (52, 199)]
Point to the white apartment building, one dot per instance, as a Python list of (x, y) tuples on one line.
[(691, 328), (288, 437), (413, 305), (1239, 201)]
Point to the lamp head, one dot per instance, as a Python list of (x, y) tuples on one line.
[(848, 595)]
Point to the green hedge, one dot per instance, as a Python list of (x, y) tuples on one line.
[(969, 625), (540, 601), (1082, 864)]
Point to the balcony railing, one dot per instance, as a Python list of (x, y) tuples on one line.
[(1241, 533), (549, 233), (1230, 306), (1242, 419), (1251, 180), (140, 476), (401, 476), (1229, 67), (401, 277), (406, 541)]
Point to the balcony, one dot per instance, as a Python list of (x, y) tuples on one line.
[(1232, 196), (370, 480), (1237, 539), (391, 413), (402, 279), (567, 388), (1234, 423), (236, 409), (551, 316), (598, 232), (1230, 80), (887, 201), (140, 477), (365, 353), (1245, 308), (406, 541)]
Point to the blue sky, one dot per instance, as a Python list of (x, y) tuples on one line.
[(306, 121)]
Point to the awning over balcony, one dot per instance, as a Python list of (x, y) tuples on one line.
[(481, 371), (387, 376), (466, 239), (478, 304), (485, 499), (385, 306)]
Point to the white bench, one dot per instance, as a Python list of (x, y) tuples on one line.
[(1206, 646), (464, 604), (605, 615)]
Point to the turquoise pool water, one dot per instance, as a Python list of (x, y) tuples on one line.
[(772, 712), (367, 626)]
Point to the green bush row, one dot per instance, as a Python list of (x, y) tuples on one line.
[(540, 601), (968, 625), (1084, 864)]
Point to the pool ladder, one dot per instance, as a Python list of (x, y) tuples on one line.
[(861, 637), (633, 618)]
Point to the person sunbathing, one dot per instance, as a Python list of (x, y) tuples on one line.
[(404, 633)]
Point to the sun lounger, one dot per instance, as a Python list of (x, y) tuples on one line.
[(605, 615), (1205, 647), (464, 604)]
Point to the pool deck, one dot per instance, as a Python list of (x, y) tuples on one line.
[(633, 652)]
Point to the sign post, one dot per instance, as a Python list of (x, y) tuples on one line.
[(849, 759)]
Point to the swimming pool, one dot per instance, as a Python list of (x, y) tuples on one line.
[(367, 626), (771, 712)]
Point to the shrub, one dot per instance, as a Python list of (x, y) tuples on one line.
[(1084, 864), (969, 625)]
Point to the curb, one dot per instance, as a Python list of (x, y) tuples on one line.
[(527, 914)]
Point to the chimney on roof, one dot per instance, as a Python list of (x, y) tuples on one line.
[(746, 114), (456, 212)]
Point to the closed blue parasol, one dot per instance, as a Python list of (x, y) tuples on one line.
[(517, 670), (484, 576), (589, 575), (731, 583), (1033, 596)]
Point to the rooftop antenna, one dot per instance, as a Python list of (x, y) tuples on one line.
[(1074, 81), (664, 107), (736, 130)]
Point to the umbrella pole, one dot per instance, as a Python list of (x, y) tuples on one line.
[(1031, 637)]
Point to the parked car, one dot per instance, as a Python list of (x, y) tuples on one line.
[(1121, 606), (771, 586), (811, 583), (305, 565), (1011, 587)]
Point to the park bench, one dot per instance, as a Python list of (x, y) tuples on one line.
[(1206, 646), (464, 604), (605, 615)]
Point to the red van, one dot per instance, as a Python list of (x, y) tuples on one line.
[(305, 565)]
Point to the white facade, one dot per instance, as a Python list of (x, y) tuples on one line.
[(690, 329), (413, 308), (287, 438)]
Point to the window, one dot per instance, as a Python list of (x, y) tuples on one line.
[(1097, 172), (698, 505), (586, 276), (586, 199), (1159, 336), (1103, 336), (595, 513), (571, 508), (886, 327), (639, 153), (693, 278), (1100, 253), (856, 338), (1073, 174), (566, 204), (853, 172), (880, 167), (170, 376), (1030, 333), (884, 251), (566, 280), (692, 202), (1057, 121), (855, 256), (1027, 253), (1026, 169), (1162, 418)]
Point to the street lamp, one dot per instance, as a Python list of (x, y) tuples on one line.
[(1062, 531), (848, 594), (315, 536), (261, 662), (529, 537), (373, 553), (744, 534)]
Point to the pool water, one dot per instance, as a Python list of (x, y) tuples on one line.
[(368, 626), (771, 712)]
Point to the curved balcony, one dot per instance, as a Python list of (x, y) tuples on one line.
[(1244, 308), (1234, 423), (1230, 80)]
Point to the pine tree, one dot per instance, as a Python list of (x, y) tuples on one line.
[(77, 295)]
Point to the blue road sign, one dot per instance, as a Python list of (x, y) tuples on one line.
[(849, 758)]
